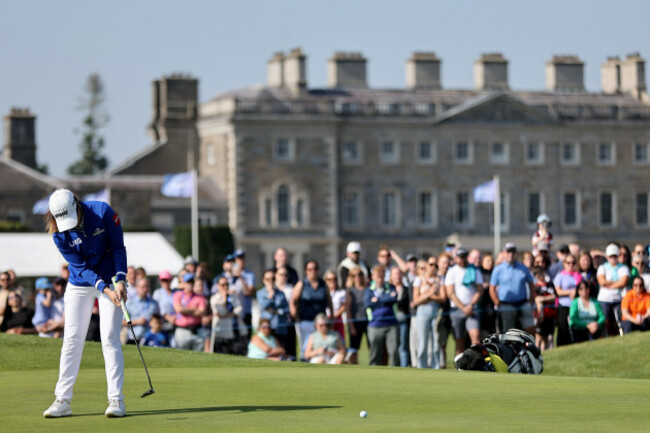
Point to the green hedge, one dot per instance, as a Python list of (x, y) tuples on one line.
[(215, 242), (12, 226)]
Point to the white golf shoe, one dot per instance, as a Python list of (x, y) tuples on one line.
[(60, 407), (116, 409)]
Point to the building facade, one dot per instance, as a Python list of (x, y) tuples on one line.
[(312, 169)]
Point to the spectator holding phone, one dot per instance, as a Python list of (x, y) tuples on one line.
[(274, 307)]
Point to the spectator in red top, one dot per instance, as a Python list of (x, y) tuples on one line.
[(190, 308)]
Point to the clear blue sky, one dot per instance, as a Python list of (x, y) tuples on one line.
[(48, 49)]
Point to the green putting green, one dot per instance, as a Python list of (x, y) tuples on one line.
[(200, 392)]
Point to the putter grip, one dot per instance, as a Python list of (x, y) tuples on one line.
[(125, 311)]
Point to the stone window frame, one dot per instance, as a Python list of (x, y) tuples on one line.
[(348, 161), (614, 210), (470, 209), (16, 215), (398, 209), (636, 161), (470, 152), (542, 155), (578, 209), (506, 153), (531, 220), (433, 149), (291, 150), (612, 149), (359, 208), (297, 197), (211, 153), (433, 208), (638, 224), (396, 152), (576, 155)]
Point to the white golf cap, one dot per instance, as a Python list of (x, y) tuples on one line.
[(611, 250), (354, 247), (63, 207)]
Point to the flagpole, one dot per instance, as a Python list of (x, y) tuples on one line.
[(195, 215), (497, 216), (194, 200)]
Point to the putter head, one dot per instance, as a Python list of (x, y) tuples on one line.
[(148, 393)]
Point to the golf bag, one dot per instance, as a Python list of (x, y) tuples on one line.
[(512, 352)]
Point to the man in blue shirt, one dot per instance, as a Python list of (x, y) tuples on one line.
[(141, 308), (512, 291)]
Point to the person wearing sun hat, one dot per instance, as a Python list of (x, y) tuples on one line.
[(43, 305), (89, 237), (612, 279), (352, 260)]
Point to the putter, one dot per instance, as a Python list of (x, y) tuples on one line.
[(128, 321), (618, 322)]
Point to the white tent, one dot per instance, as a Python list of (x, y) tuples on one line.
[(34, 254)]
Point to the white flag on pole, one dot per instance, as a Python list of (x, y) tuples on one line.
[(42, 206), (97, 196), (484, 193), (177, 185)]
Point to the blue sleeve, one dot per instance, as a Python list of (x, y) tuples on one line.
[(529, 276), (283, 308), (388, 299), (263, 299), (78, 264), (494, 278), (249, 277), (367, 295), (116, 238)]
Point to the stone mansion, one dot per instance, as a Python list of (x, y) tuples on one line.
[(311, 169)]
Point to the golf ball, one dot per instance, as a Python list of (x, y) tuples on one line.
[(363, 414)]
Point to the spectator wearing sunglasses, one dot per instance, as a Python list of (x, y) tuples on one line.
[(635, 308), (264, 345), (18, 319), (565, 283), (324, 346)]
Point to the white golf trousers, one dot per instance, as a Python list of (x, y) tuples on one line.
[(79, 303)]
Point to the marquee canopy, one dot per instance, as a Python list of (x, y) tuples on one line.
[(34, 254)]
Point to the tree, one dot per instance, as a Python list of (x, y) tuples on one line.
[(43, 168), (92, 104)]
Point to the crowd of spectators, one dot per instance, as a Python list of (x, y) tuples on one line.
[(405, 307)]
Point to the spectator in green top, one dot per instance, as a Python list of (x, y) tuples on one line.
[(586, 316)]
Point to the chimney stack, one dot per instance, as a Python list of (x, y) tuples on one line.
[(423, 71), (20, 137), (175, 106), (491, 72), (347, 70), (565, 74), (295, 71), (610, 75), (633, 75), (275, 70)]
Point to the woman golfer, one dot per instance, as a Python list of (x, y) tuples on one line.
[(89, 237)]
